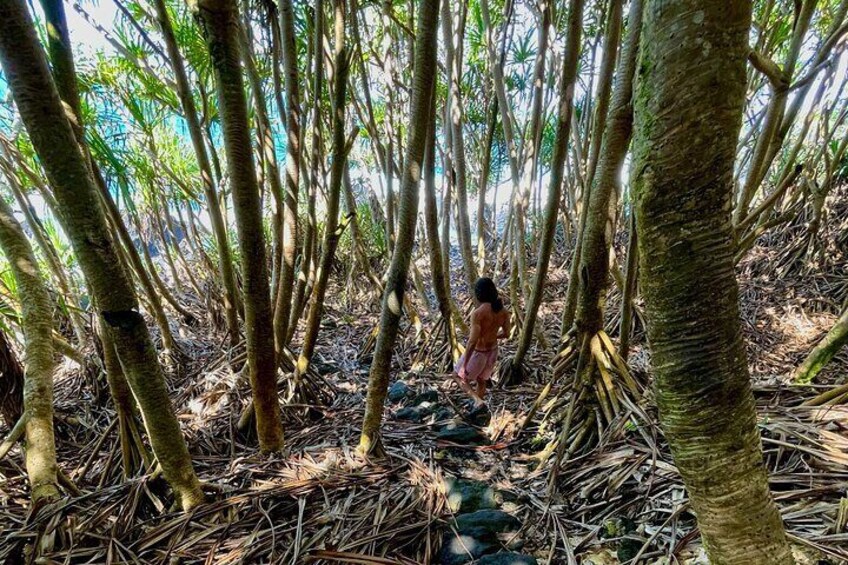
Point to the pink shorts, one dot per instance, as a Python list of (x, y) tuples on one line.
[(480, 365)]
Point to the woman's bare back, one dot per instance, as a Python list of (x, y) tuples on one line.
[(491, 323)]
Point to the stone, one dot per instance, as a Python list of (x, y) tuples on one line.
[(457, 550), (398, 391), (492, 521), (469, 496), (457, 432), (442, 416), (428, 396), (628, 548), (507, 558), (417, 413), (479, 416)]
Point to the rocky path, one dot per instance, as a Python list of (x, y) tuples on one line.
[(483, 528)]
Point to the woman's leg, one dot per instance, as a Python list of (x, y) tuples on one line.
[(481, 391)]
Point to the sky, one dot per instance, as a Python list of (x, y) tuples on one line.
[(87, 41)]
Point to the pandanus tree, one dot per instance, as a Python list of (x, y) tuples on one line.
[(599, 367), (423, 83), (688, 111), (514, 370), (40, 108), (341, 148), (39, 364), (219, 228), (220, 23), (283, 293)]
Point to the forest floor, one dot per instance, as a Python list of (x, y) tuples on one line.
[(318, 502)]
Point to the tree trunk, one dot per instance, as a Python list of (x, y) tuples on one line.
[(599, 231), (41, 111), (219, 19), (424, 76), (441, 285), (219, 227), (569, 76), (824, 351), (39, 364), (688, 110), (774, 113), (341, 147), (315, 169), (629, 291), (453, 52), (11, 383), (485, 170), (284, 290)]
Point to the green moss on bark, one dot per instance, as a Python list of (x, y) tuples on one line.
[(688, 110)]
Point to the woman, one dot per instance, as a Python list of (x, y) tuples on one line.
[(489, 323)]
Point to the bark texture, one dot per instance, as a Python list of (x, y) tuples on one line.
[(39, 364), (424, 78), (219, 19), (688, 112), (41, 111), (566, 111)]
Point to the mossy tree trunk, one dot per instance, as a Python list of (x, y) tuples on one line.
[(566, 111), (688, 111), (219, 19), (599, 231), (424, 78), (39, 363), (824, 351), (41, 111)]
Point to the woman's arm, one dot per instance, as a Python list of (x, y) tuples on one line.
[(473, 338), (505, 327)]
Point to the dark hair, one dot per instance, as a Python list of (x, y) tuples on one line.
[(485, 291)]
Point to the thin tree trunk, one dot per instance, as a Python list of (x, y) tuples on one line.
[(454, 61), (424, 76), (266, 148), (824, 351), (315, 167), (629, 291), (441, 285), (49, 252), (220, 21), (341, 146), (284, 290), (39, 364), (566, 111), (41, 111), (599, 231), (774, 113), (219, 226), (688, 111), (485, 171)]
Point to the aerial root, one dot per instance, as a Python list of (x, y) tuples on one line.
[(438, 352), (604, 401)]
